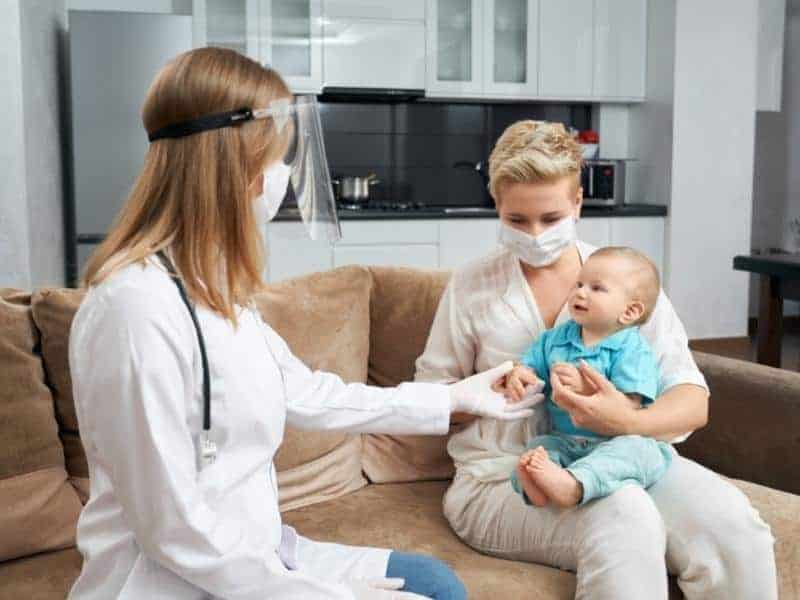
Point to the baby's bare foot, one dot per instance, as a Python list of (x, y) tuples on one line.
[(557, 483), (534, 494)]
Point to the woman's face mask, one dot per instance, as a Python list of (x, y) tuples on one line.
[(539, 250), (276, 182), (538, 219)]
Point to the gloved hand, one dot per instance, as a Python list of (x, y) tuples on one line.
[(475, 395), (381, 588)]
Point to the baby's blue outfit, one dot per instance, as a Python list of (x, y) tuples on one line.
[(601, 464)]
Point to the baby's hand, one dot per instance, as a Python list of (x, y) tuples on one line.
[(514, 385), (571, 378)]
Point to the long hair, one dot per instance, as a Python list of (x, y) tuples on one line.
[(194, 194)]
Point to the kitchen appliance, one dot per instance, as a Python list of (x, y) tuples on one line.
[(353, 190), (603, 182), (113, 58)]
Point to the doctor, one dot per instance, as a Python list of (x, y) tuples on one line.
[(182, 391)]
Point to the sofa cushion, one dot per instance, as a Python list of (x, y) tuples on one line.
[(408, 517), (47, 576), (53, 311), (39, 507), (402, 308), (325, 320)]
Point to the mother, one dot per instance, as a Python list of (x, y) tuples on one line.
[(712, 538)]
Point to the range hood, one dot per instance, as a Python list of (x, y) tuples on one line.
[(360, 94)]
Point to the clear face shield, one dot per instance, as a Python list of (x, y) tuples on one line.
[(305, 162)]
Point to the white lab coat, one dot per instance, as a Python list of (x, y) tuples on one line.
[(488, 315), (155, 526)]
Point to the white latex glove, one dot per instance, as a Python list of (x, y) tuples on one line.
[(381, 588), (474, 395)]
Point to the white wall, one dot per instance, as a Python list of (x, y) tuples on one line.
[(777, 160), (14, 255), (712, 164), (31, 173)]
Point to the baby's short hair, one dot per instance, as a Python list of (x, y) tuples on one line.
[(533, 152), (644, 277)]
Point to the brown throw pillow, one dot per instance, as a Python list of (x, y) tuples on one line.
[(39, 507), (324, 318), (53, 311), (403, 305)]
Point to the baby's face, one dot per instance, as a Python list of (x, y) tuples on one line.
[(600, 295)]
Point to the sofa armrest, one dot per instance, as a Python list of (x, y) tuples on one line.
[(753, 431)]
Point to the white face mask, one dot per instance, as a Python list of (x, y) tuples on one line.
[(539, 250), (276, 182)]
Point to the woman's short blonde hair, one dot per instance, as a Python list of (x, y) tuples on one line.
[(533, 152)]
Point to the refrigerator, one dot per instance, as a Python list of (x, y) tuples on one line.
[(113, 58)]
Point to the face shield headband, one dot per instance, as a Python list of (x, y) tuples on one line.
[(309, 175)]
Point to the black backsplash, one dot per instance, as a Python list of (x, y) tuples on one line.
[(412, 147)]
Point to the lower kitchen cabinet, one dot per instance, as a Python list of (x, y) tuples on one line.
[(432, 244)]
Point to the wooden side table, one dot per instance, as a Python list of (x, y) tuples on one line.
[(780, 280)]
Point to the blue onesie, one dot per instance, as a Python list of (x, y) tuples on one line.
[(601, 464)]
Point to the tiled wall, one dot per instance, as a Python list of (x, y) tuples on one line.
[(412, 147)]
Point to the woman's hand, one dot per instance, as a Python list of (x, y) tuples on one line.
[(606, 410), (381, 588), (475, 395)]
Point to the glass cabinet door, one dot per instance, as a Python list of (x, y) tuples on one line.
[(290, 42), (227, 24), (511, 47), (454, 48)]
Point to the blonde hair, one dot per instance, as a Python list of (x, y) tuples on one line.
[(645, 282), (533, 152), (193, 194)]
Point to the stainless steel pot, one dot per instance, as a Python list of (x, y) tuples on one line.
[(354, 189)]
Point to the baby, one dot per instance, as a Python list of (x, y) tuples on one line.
[(616, 291)]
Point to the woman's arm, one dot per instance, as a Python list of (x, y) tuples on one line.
[(608, 411), (449, 353)]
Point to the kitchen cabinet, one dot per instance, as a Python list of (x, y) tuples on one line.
[(290, 42), (619, 50), (364, 53), (433, 244), (465, 240), (511, 48), (230, 24), (454, 48), (284, 34), (566, 37), (771, 23), (591, 50)]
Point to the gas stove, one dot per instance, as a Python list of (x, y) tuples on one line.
[(387, 206)]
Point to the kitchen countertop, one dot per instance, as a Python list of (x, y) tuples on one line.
[(626, 210)]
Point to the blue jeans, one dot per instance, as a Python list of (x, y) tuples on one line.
[(604, 465), (426, 576)]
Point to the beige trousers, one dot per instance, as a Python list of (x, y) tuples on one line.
[(713, 540)]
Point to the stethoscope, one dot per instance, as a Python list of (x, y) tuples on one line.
[(206, 448)]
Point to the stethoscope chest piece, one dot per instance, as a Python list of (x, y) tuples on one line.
[(206, 450)]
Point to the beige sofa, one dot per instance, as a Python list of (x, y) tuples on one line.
[(366, 325)]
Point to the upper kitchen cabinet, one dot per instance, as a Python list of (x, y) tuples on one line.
[(230, 24), (290, 42), (284, 34), (454, 48), (620, 44), (511, 48), (566, 37), (771, 23), (374, 44)]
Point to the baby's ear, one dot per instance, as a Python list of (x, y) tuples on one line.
[(632, 313)]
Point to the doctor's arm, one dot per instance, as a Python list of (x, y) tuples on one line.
[(134, 397)]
